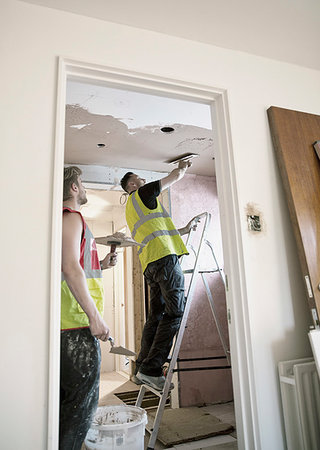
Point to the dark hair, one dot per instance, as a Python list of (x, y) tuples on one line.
[(71, 175), (125, 179)]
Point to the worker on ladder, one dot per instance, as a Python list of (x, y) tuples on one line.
[(161, 247)]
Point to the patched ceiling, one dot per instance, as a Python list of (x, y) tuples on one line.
[(117, 128)]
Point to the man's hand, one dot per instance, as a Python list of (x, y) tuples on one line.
[(109, 261), (192, 224), (184, 164), (175, 175), (99, 328)]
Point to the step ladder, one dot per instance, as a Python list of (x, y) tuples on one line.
[(194, 272)]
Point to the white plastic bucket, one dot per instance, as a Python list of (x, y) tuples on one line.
[(117, 427)]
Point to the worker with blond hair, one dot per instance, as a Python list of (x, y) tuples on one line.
[(82, 325)]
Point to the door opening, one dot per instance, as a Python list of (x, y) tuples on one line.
[(245, 402)]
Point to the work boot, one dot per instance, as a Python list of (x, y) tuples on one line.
[(135, 380), (155, 382)]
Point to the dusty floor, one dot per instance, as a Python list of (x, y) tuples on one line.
[(112, 382)]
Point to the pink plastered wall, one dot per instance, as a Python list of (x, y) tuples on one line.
[(191, 196)]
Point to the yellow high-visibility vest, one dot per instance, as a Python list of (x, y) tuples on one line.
[(72, 315), (154, 229)]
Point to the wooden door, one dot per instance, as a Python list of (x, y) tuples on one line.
[(294, 134)]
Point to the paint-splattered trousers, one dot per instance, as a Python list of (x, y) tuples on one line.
[(79, 386), (167, 302)]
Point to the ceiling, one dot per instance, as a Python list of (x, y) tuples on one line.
[(122, 129), (285, 30)]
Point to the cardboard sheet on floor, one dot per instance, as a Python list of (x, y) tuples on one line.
[(186, 425)]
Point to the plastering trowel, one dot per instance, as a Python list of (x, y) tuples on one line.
[(184, 157), (120, 350)]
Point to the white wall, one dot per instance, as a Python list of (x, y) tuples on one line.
[(31, 40)]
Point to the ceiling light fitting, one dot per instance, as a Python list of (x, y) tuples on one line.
[(101, 145), (167, 129)]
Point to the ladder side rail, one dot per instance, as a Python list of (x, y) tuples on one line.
[(161, 406), (192, 286), (215, 259), (140, 396), (200, 246), (158, 416), (215, 317), (191, 232)]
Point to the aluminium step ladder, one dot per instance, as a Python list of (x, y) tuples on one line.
[(195, 272)]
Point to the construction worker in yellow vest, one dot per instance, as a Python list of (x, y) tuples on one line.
[(82, 325), (161, 247)]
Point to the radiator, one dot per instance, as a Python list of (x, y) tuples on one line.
[(300, 393)]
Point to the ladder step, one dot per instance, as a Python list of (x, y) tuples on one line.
[(202, 271), (207, 358), (149, 399), (189, 369), (149, 388)]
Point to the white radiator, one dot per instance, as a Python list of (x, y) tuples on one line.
[(300, 393)]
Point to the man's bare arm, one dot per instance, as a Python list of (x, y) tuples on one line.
[(75, 276), (175, 175)]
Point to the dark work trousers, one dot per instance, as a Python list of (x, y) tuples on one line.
[(167, 302), (79, 385)]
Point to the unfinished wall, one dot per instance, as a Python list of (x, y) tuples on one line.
[(277, 317), (201, 338)]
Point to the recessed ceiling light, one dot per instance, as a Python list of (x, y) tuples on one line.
[(167, 129), (101, 145)]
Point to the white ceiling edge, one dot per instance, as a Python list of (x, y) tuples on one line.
[(284, 30)]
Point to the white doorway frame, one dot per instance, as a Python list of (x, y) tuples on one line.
[(239, 330)]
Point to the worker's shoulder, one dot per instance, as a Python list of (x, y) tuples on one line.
[(71, 217), (154, 187)]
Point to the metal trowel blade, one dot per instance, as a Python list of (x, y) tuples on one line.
[(122, 351), (119, 350)]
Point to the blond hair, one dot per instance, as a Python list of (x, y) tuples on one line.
[(71, 175)]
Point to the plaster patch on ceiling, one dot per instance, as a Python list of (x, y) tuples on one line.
[(199, 144), (137, 109), (80, 119), (145, 147)]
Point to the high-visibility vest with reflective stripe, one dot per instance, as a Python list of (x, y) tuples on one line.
[(155, 229), (72, 315)]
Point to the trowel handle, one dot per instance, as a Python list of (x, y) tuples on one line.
[(111, 341), (112, 250)]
